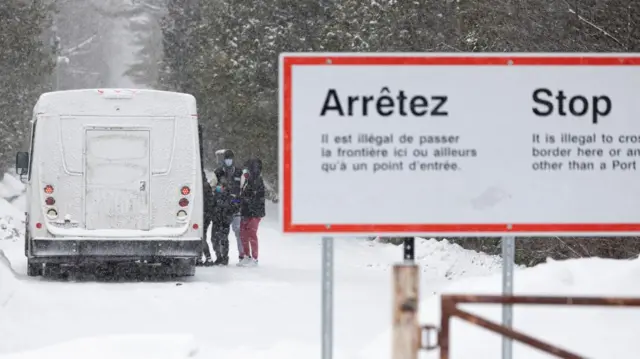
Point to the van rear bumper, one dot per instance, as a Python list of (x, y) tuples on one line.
[(114, 250)]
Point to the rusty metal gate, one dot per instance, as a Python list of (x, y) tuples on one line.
[(449, 309)]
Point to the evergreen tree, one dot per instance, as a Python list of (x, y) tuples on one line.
[(25, 68), (82, 34), (146, 71), (148, 37)]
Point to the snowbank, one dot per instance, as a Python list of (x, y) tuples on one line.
[(9, 210), (595, 332), (11, 186), (8, 229), (443, 259), (11, 217), (12, 191), (117, 346), (280, 350), (10, 221), (8, 281), (20, 203)]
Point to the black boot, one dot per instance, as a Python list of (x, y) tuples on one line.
[(221, 261)]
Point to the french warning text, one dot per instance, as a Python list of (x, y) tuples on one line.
[(384, 104)]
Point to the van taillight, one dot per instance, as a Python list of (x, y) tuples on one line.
[(185, 191), (48, 189), (50, 201), (52, 213), (183, 202)]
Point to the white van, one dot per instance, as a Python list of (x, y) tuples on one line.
[(113, 176)]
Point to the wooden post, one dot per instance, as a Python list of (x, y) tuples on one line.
[(406, 330)]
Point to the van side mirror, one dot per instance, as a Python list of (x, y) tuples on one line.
[(22, 163)]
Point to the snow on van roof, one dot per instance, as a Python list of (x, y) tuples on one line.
[(107, 91), (96, 89), (121, 102)]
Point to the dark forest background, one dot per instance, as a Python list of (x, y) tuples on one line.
[(225, 52)]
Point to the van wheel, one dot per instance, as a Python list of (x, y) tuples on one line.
[(183, 267), (26, 242), (52, 270), (34, 269)]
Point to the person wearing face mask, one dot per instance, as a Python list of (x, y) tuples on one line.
[(227, 203)]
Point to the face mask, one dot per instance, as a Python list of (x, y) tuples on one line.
[(228, 161)]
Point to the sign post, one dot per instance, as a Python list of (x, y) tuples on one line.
[(406, 294), (459, 145), (508, 259), (327, 297)]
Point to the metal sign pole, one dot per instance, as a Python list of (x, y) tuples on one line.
[(508, 259), (327, 297), (409, 250)]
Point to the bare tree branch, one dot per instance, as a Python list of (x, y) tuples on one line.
[(594, 26), (72, 50)]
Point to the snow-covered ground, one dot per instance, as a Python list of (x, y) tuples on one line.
[(593, 332), (12, 190), (273, 311)]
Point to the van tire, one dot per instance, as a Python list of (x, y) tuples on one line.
[(27, 239), (52, 270), (183, 267), (34, 269)]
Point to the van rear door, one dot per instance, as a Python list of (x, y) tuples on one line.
[(116, 177)]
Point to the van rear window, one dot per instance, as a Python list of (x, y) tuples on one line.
[(72, 135)]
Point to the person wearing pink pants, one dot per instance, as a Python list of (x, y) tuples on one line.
[(252, 210), (249, 236)]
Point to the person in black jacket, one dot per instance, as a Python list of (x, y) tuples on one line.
[(221, 216), (233, 174), (252, 196), (226, 205), (207, 201)]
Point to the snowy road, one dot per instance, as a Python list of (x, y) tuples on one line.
[(274, 308), (273, 311)]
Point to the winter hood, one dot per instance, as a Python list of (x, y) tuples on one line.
[(254, 166)]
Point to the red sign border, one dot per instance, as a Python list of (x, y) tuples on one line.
[(288, 61)]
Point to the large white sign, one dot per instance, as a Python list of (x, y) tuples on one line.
[(441, 144)]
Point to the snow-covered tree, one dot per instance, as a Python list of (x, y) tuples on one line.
[(225, 52), (81, 34), (26, 64), (146, 27)]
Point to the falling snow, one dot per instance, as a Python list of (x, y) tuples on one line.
[(225, 53)]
